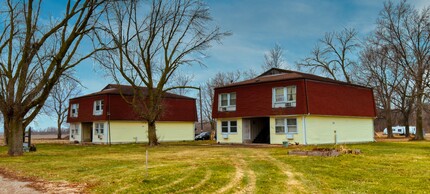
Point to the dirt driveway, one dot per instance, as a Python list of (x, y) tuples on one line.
[(15, 186)]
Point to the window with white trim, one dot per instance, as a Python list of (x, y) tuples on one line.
[(99, 127), (98, 107), (74, 110), (74, 130), (227, 102), (229, 126), (286, 125), (284, 97)]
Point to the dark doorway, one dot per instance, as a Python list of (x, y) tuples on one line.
[(260, 130)]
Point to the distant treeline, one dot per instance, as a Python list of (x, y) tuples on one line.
[(49, 130)]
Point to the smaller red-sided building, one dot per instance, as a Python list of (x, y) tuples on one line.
[(105, 116)]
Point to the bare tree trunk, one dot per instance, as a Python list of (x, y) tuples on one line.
[(152, 135), (15, 136), (389, 119), (419, 117), (59, 129), (6, 132), (407, 133), (213, 129)]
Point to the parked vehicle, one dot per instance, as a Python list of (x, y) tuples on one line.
[(203, 136), (401, 130)]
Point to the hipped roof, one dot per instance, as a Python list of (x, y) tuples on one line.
[(276, 74)]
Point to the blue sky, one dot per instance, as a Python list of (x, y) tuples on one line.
[(257, 25)]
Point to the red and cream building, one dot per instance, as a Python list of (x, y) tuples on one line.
[(282, 105), (104, 117)]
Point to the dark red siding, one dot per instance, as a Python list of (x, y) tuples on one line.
[(256, 100), (314, 97), (85, 112), (175, 109), (336, 99)]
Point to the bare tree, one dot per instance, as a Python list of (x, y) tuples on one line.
[(58, 102), (34, 55), (220, 79), (334, 55), (384, 76), (152, 46), (404, 100), (405, 30), (182, 80), (274, 58)]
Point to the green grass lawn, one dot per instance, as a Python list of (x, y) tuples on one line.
[(402, 167)]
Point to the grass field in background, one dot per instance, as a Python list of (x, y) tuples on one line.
[(196, 167)]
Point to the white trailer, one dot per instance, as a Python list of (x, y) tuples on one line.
[(401, 130)]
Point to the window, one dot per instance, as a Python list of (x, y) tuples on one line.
[(74, 110), (227, 102), (99, 128), (285, 125), (280, 95), (74, 130), (284, 97), (229, 126), (291, 125), (291, 94), (98, 107), (280, 125)]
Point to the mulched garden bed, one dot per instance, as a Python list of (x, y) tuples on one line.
[(332, 152)]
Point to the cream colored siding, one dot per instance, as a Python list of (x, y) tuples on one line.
[(175, 131), (320, 129), (231, 137), (278, 138), (128, 131), (135, 131)]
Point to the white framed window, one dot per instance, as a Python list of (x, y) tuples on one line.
[(74, 110), (98, 107), (286, 125), (100, 128), (74, 130), (229, 126), (227, 102), (284, 97)]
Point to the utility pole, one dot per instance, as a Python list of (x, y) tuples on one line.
[(201, 115)]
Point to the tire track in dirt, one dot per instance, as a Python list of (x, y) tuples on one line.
[(177, 181), (238, 175), (250, 188), (199, 184), (292, 177)]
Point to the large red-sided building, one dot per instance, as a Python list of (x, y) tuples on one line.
[(105, 116), (288, 106)]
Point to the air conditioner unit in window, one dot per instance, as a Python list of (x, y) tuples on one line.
[(224, 109), (289, 104)]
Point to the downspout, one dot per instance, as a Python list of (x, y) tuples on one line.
[(308, 113), (375, 114), (108, 114)]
